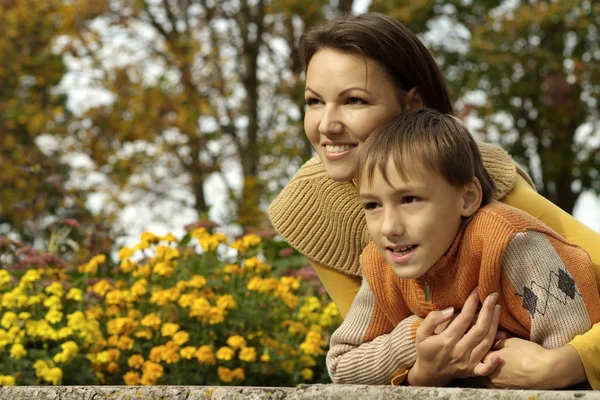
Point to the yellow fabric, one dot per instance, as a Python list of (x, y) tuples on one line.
[(341, 288), (523, 197)]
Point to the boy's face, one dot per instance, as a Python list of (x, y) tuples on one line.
[(413, 222)]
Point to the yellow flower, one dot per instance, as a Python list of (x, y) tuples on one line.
[(30, 276), (232, 269), (181, 338), (113, 367), (125, 343), (307, 374), (238, 373), (225, 353), (265, 357), (53, 302), (92, 266), (94, 313), (55, 288), (248, 354), (17, 351), (197, 281), (226, 302), (9, 319), (225, 374), (4, 278), (135, 361), (163, 268), (187, 352), (139, 287), (125, 253), (132, 378), (312, 344), (53, 316), (151, 372), (53, 375), (23, 316), (144, 333), (33, 300), (169, 238), (69, 350), (147, 239), (236, 342), (102, 287), (151, 320), (169, 329), (75, 294), (7, 380), (199, 307), (205, 355), (115, 297)]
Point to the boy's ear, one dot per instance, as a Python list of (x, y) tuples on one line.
[(413, 99), (472, 196)]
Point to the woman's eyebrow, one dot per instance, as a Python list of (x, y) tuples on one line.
[(308, 89), (354, 88)]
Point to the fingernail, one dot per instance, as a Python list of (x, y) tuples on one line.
[(494, 297), (446, 312)]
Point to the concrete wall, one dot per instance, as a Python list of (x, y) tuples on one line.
[(337, 392)]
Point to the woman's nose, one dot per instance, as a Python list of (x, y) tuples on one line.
[(330, 122)]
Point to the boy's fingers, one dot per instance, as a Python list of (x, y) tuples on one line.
[(431, 322), (484, 331), (463, 321)]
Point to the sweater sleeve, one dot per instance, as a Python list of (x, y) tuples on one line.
[(549, 288), (367, 348)]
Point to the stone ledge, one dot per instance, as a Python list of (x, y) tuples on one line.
[(306, 392)]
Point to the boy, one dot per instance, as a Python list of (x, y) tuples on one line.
[(436, 235)]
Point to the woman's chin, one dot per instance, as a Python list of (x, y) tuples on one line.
[(340, 172)]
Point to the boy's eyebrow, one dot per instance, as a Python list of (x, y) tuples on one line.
[(397, 192)]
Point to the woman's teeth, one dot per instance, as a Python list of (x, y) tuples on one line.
[(338, 149)]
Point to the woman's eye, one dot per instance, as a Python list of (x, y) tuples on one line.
[(311, 101), (356, 101), (370, 206)]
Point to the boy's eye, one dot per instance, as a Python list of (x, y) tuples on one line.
[(410, 199), (370, 206)]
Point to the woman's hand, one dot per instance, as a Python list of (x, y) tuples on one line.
[(527, 365), (452, 353)]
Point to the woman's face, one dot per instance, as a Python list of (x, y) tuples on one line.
[(347, 97)]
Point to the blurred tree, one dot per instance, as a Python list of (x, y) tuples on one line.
[(537, 66), (33, 194), (199, 87)]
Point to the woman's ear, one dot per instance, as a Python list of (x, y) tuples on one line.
[(413, 99), (471, 199)]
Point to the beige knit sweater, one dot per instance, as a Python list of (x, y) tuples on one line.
[(323, 219)]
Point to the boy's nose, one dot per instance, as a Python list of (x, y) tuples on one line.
[(392, 226)]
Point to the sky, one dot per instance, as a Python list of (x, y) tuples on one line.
[(169, 216)]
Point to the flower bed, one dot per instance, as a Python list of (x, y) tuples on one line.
[(169, 311)]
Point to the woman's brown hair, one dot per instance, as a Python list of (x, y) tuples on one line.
[(388, 42)]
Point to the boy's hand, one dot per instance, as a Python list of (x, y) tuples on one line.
[(452, 353)]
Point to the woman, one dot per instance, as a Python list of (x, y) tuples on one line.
[(361, 71)]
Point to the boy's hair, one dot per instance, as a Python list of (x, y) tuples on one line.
[(426, 137)]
